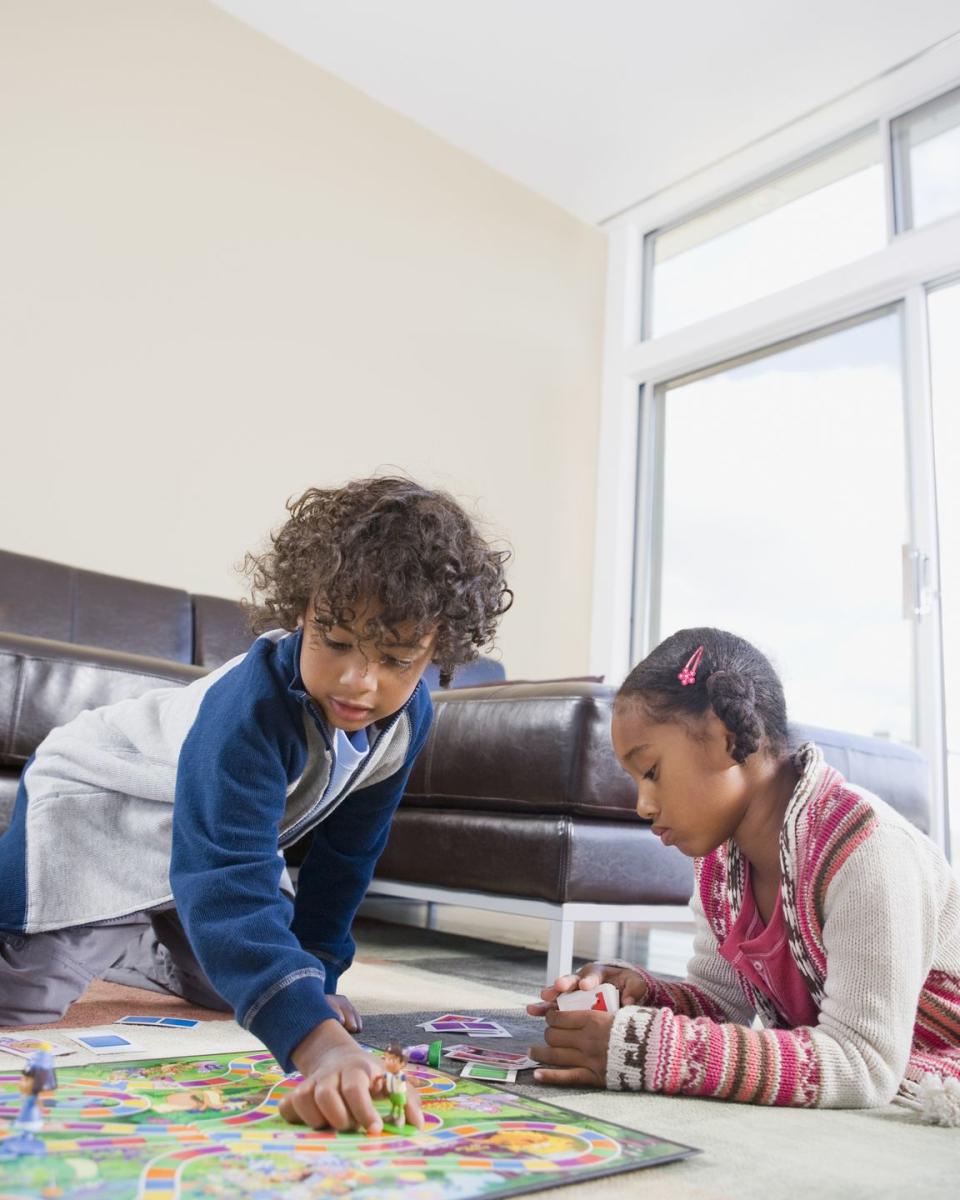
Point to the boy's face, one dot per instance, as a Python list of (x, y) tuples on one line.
[(355, 682)]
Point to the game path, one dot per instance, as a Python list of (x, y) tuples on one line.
[(208, 1127)]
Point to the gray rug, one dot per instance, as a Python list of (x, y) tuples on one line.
[(470, 959), (383, 1028)]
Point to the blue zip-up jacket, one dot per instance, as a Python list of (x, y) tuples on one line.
[(186, 796)]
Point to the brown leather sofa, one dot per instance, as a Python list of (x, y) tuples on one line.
[(72, 639), (515, 805)]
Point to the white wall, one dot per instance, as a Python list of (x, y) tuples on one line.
[(226, 275)]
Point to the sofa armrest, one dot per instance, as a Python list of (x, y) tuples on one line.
[(44, 683), (523, 747)]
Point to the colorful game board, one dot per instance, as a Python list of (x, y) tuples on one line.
[(208, 1127)]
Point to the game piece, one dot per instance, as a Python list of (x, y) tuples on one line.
[(37, 1080), (208, 1126), (604, 998), (485, 1054), (491, 1073), (160, 1022), (25, 1047), (425, 1053), (103, 1043), (396, 1079)]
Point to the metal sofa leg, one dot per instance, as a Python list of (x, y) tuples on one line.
[(560, 952)]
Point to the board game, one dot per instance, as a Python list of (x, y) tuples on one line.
[(209, 1127)]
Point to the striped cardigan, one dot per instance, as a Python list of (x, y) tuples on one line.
[(873, 918)]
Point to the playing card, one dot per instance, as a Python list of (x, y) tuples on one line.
[(162, 1022), (476, 1028), (605, 998), (24, 1047), (486, 1054), (460, 1018), (103, 1043), (490, 1074)]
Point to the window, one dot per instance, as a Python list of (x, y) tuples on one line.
[(783, 501), (926, 156), (943, 306), (797, 476), (821, 215)]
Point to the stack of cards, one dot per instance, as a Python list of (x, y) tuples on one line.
[(104, 1042), (489, 1057), (471, 1026), (24, 1047), (605, 998)]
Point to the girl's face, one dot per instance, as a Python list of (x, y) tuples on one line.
[(688, 784)]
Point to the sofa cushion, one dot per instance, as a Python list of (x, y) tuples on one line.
[(523, 748), (44, 684), (896, 773), (554, 858), (221, 631), (50, 600)]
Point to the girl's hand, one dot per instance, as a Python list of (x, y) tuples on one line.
[(339, 1083), (576, 1048), (631, 985)]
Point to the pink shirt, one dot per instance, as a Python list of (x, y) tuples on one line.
[(762, 953)]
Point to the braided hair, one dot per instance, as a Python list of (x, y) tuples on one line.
[(733, 679)]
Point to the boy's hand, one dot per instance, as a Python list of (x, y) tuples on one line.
[(631, 985), (576, 1049), (349, 1017), (339, 1083)]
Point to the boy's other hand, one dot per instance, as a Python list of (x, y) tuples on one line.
[(576, 1048), (349, 1017), (631, 985), (339, 1083)]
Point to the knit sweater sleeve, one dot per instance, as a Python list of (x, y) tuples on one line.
[(879, 934), (711, 988)]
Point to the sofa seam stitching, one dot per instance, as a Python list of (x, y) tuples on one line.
[(102, 667), (18, 693)]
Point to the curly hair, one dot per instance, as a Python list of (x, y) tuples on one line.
[(413, 551), (734, 679)]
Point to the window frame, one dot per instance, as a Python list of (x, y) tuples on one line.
[(901, 190), (771, 177), (626, 568)]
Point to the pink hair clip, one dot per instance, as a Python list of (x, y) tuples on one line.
[(689, 673)]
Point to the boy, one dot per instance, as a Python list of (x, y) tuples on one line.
[(146, 841)]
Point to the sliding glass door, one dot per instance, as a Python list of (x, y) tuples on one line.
[(943, 306), (783, 514)]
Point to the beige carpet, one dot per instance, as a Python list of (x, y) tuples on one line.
[(748, 1153)]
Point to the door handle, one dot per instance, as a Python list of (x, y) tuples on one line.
[(917, 593)]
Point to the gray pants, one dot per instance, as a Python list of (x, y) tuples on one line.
[(41, 974)]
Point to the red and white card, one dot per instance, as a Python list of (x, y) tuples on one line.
[(486, 1054), (604, 998)]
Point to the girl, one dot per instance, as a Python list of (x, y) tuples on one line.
[(817, 908)]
